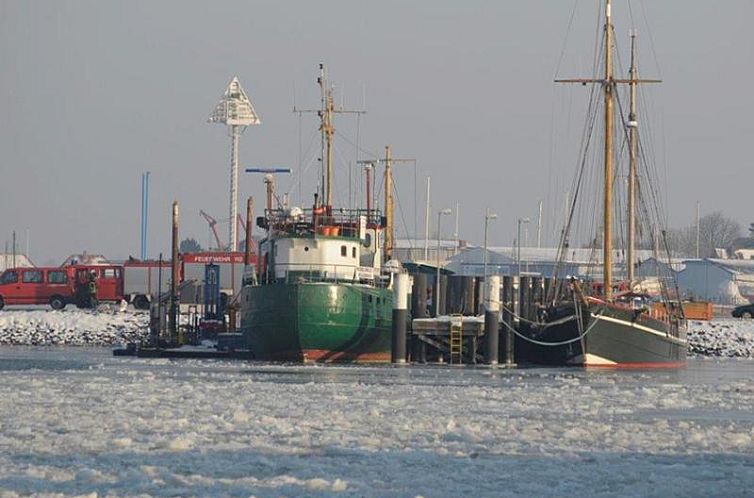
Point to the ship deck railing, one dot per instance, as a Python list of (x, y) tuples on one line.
[(332, 273), (335, 217)]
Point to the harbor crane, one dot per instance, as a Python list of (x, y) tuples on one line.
[(213, 226)]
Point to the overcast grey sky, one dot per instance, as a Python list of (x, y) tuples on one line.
[(94, 93)]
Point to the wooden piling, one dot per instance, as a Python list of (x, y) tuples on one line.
[(175, 276), (419, 296), (508, 307), (537, 297)]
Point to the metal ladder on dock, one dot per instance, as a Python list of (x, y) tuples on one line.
[(456, 339)]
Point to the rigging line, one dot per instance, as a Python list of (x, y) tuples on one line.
[(342, 157), (305, 170), (372, 155), (651, 39), (589, 128), (416, 206), (598, 41), (297, 177), (403, 218), (565, 39), (631, 14), (358, 143), (300, 146)]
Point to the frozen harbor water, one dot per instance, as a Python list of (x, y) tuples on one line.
[(78, 421)]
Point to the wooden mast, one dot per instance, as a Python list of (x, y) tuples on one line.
[(389, 217), (633, 145), (608, 87), (609, 83)]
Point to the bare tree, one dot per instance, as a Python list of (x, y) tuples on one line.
[(716, 231)]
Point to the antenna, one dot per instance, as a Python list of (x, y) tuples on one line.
[(325, 112), (236, 112)]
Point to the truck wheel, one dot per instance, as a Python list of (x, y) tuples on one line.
[(57, 302), (2, 303), (141, 302)]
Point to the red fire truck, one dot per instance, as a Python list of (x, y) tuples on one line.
[(136, 282)]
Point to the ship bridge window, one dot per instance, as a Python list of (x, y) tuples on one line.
[(344, 251)]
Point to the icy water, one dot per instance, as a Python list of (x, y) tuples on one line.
[(78, 421)]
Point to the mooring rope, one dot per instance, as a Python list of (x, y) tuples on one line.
[(561, 343), (520, 318)]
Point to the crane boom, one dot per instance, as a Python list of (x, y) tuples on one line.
[(213, 226)]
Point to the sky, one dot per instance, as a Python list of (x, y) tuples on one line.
[(94, 93)]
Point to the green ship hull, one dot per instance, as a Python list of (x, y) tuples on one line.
[(318, 322)]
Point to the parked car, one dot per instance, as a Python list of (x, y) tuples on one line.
[(746, 310)]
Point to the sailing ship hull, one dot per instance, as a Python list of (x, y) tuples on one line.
[(613, 337), (318, 322)]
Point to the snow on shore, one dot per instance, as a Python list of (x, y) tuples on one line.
[(725, 337), (70, 327), (722, 337)]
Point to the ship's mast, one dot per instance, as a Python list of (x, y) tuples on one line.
[(633, 145), (389, 229), (389, 210), (326, 113), (328, 130), (609, 83), (608, 88)]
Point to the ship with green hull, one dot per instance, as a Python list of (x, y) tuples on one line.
[(321, 292), (319, 321)]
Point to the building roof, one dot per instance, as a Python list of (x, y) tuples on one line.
[(21, 261), (86, 259), (550, 254)]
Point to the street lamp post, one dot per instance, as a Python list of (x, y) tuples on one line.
[(520, 221), (436, 291), (487, 217)]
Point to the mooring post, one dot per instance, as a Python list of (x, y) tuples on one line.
[(491, 318), (175, 269), (419, 296), (509, 301), (418, 310), (524, 298), (439, 296), (400, 314), (537, 291)]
